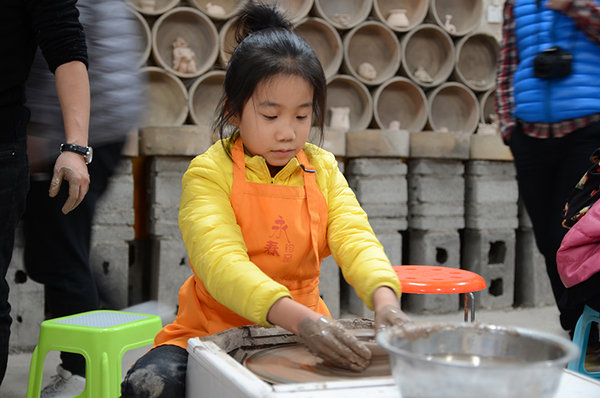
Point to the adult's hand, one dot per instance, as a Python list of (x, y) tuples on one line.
[(389, 315), (329, 340), (558, 4), (71, 167)]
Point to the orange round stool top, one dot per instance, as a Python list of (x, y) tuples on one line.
[(429, 279)]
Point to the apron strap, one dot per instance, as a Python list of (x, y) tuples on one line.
[(312, 190)]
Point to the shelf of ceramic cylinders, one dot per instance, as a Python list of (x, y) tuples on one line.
[(371, 53), (400, 104), (452, 107), (185, 42), (167, 98), (428, 55), (204, 95), (143, 35), (400, 15), (487, 105), (153, 7), (349, 104), (457, 17), (343, 14), (325, 41), (218, 10), (476, 61)]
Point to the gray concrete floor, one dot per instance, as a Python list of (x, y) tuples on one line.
[(542, 319)]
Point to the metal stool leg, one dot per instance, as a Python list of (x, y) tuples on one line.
[(466, 306)]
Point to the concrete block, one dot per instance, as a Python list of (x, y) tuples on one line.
[(436, 209), (379, 189), (188, 140), (430, 247), (436, 167), (532, 285), (170, 269), (435, 189), (112, 233), (369, 167), (116, 204), (387, 224), (524, 220), (377, 143), (489, 147), (387, 210), (429, 144), (334, 141), (26, 298), (329, 285), (491, 189), (110, 267), (487, 168), (448, 223), (491, 254), (491, 215)]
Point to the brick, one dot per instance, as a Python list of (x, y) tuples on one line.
[(491, 216), (486, 168), (377, 143), (491, 254), (334, 141), (436, 189), (387, 210)]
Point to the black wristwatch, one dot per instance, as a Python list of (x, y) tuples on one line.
[(85, 151)]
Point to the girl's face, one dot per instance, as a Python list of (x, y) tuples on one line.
[(276, 120)]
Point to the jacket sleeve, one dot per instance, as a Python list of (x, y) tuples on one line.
[(58, 31), (578, 257), (352, 241), (215, 244), (586, 16)]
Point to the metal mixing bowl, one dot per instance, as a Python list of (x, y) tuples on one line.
[(475, 360)]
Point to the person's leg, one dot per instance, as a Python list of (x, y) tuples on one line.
[(547, 171), (57, 246), (160, 373), (14, 182)]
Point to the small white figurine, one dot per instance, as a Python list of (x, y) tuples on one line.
[(394, 125), (184, 59), (215, 10), (342, 19), (147, 5), (340, 118), (448, 26), (367, 71), (422, 75), (398, 18)]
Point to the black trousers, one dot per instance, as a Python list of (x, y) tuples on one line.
[(14, 182), (547, 171), (57, 246)]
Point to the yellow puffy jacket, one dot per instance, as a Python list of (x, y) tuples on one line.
[(217, 251)]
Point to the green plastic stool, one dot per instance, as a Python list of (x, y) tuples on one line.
[(102, 337)]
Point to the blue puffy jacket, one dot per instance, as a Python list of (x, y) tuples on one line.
[(553, 100)]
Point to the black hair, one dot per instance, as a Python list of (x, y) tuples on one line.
[(267, 47)]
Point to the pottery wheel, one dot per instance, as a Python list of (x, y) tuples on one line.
[(293, 363)]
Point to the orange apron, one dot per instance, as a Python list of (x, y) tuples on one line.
[(274, 220)]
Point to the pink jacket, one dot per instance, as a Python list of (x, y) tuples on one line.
[(578, 257)]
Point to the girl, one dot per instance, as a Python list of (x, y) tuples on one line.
[(261, 208)]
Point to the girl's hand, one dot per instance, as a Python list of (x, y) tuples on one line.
[(327, 339), (389, 315)]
